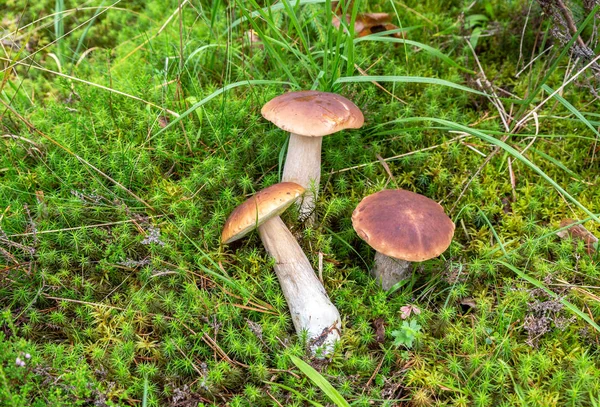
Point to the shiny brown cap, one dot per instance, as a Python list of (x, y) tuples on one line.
[(262, 206), (311, 113), (403, 225)]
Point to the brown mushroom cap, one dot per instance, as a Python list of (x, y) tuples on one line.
[(311, 113), (403, 225), (262, 206)]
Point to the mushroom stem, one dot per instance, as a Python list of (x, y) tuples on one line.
[(307, 300), (303, 166), (389, 271)]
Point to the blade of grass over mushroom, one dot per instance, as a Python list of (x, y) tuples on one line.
[(408, 79), (381, 37), (552, 294), (226, 279), (320, 381), (214, 95), (571, 108), (510, 150)]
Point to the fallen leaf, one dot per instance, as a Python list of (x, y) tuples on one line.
[(578, 232), (369, 23), (163, 121), (506, 205), (379, 330), (468, 302)]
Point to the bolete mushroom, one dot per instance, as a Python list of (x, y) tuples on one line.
[(402, 227), (309, 115), (309, 305)]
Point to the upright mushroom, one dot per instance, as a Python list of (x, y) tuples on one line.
[(307, 300), (309, 115), (402, 227)]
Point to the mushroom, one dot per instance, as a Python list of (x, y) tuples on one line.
[(309, 115), (309, 305), (402, 227)]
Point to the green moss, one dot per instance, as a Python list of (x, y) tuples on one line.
[(114, 277)]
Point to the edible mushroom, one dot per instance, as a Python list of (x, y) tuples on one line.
[(309, 305), (309, 115), (402, 227)]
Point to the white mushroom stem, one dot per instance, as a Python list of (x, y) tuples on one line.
[(309, 305), (303, 166), (389, 271)]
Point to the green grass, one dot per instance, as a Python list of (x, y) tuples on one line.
[(130, 130)]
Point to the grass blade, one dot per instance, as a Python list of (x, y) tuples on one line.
[(275, 7), (85, 31), (320, 381), (556, 162), (59, 26), (555, 64), (408, 79), (511, 150), (429, 49), (297, 393), (552, 294), (571, 108), (214, 95)]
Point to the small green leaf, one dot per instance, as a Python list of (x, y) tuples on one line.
[(407, 334)]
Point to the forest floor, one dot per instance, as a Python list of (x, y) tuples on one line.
[(130, 130)]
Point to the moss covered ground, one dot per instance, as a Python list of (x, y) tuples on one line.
[(130, 130)]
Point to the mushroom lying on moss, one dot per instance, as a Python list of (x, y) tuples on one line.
[(402, 227), (309, 305)]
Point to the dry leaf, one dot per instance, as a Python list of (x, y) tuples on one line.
[(578, 232), (379, 330), (252, 39), (369, 23), (469, 302), (39, 195), (506, 205), (163, 121)]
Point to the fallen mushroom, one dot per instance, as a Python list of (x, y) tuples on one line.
[(402, 227), (308, 116), (309, 305)]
